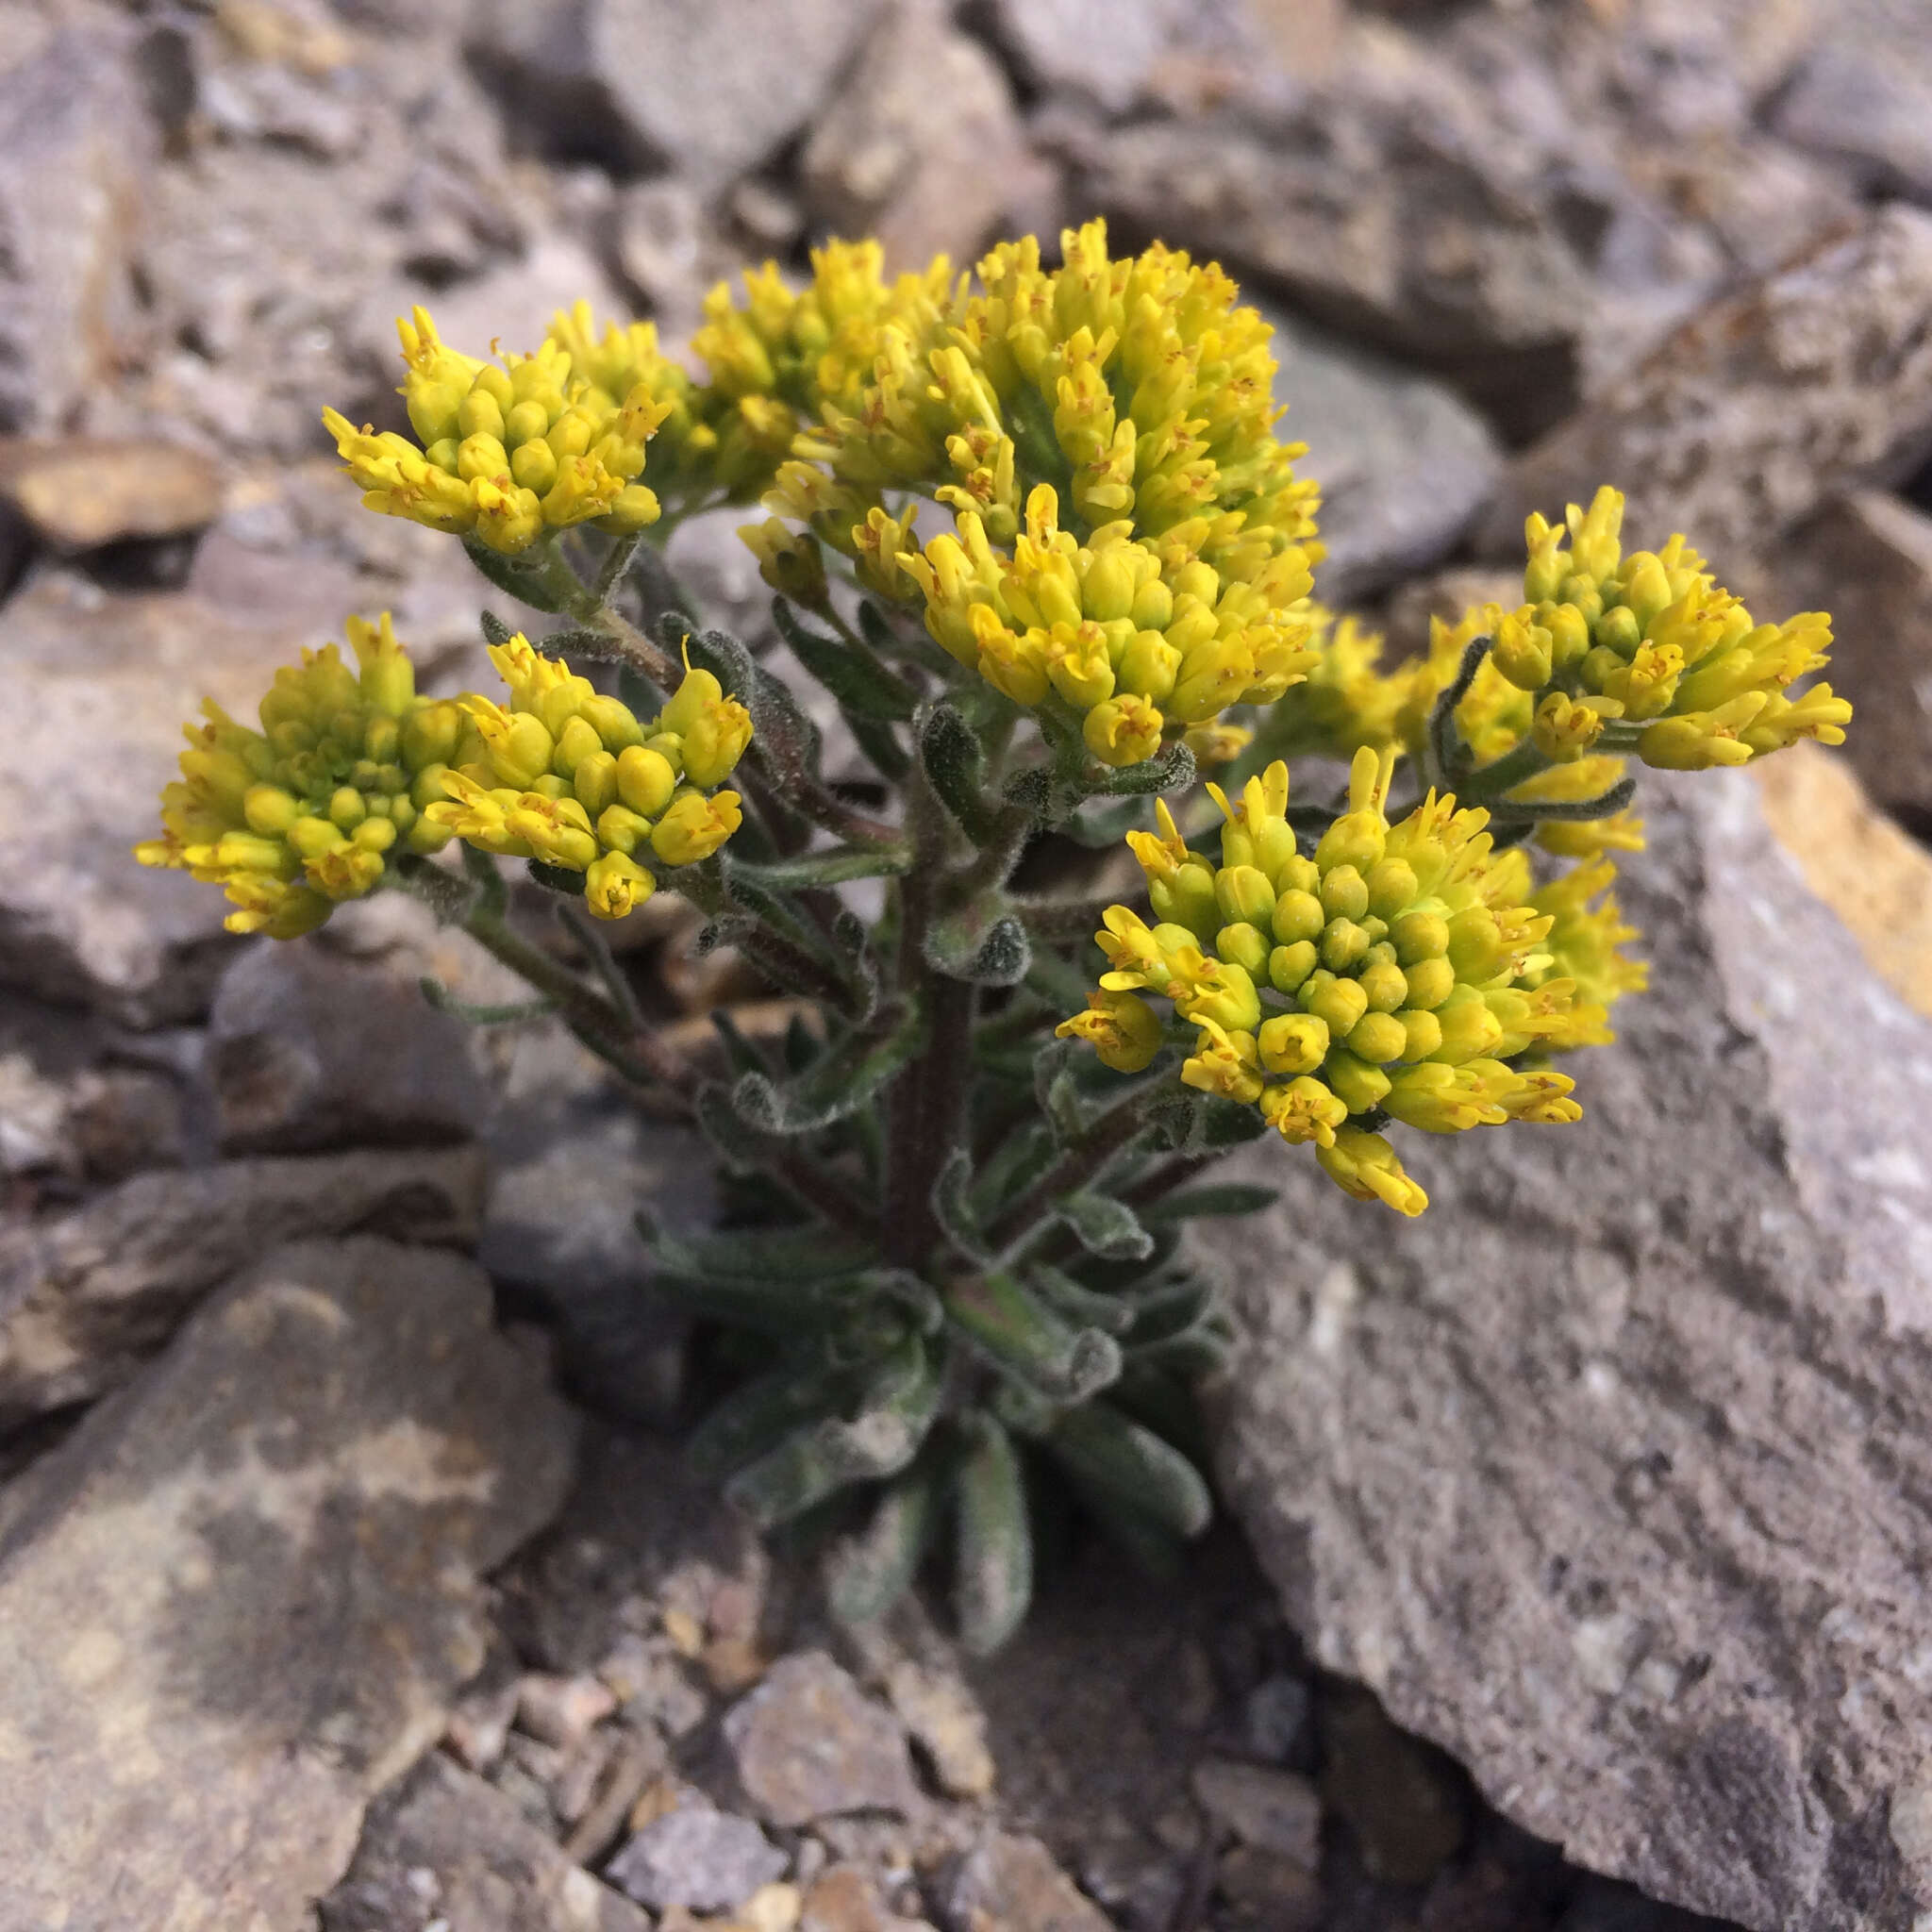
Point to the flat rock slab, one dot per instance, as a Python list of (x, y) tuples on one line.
[(1747, 416), (1609, 1472), (238, 1600), (87, 1296)]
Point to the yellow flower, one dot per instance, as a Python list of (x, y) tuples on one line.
[(1365, 1165), (506, 452), (1654, 642), (575, 779), (1129, 533), (1399, 969), (693, 826), (303, 813), (1124, 1029)]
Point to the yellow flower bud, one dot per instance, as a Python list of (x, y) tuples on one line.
[(645, 779), (1244, 896)]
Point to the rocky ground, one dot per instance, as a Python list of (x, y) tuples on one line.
[(348, 1578)]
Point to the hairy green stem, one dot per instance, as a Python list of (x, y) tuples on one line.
[(926, 1103), (1105, 1137), (1526, 760)]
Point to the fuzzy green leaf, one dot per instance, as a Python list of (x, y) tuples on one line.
[(869, 1573), (831, 867), (756, 1257), (1104, 1226), (951, 1204), (861, 684), (1097, 1444), (993, 1552), (822, 1457), (980, 944), (1111, 1314), (1170, 769), (525, 582), (1229, 1198), (955, 765), (1011, 1328), (841, 1080), (556, 878)]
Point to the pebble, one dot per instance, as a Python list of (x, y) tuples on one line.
[(1010, 1881), (809, 1743), (1274, 1715), (1274, 1810), (696, 1856), (947, 1725), (1281, 1893), (562, 1711), (480, 1724)]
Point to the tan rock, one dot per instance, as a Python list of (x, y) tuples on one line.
[(1876, 878), (85, 493)]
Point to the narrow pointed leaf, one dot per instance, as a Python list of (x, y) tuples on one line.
[(1167, 770), (1229, 1198), (756, 1417)]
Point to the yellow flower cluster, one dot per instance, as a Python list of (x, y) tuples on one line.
[(1650, 640), (1129, 539), (573, 778), (293, 818), (505, 454), (1397, 972)]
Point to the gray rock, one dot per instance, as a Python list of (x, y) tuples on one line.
[(1603, 1473), (1507, 200), (947, 1725), (1404, 463), (1749, 415), (922, 146), (1272, 1810), (1190, 56), (699, 1857), (1867, 558), (445, 1846), (308, 1050), (1411, 243), (572, 1161), (1863, 95), (809, 1743), (712, 86), (235, 1604), (87, 1296), (74, 146), (1011, 1880), (1273, 1714)]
